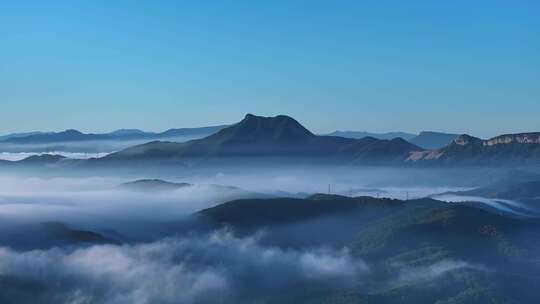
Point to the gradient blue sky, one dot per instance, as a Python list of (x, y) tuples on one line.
[(459, 66)]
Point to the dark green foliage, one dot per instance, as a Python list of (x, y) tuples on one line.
[(456, 253)]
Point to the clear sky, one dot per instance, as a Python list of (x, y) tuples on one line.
[(376, 65)]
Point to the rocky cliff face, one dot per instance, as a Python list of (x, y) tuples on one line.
[(465, 139), (521, 148), (523, 138)]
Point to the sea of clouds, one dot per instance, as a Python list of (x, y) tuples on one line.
[(197, 269), (193, 268)]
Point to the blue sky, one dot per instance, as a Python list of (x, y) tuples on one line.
[(461, 66)]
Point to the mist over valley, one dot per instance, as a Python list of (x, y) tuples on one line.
[(269, 152), (267, 210)]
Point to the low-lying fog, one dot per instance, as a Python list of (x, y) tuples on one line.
[(158, 268), (513, 207), (101, 203), (77, 149), (15, 156), (205, 269)]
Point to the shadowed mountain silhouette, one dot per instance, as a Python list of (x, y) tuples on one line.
[(261, 212), (433, 140), (271, 136), (22, 134), (422, 240), (426, 139), (64, 136), (362, 134), (72, 135), (42, 159), (49, 234), (151, 185)]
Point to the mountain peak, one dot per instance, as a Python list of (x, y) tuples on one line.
[(254, 128), (153, 185), (278, 136), (252, 117), (466, 139), (120, 132), (72, 132), (425, 133), (43, 158)]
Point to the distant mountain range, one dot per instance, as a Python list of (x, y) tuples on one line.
[(153, 185), (433, 140), (426, 139), (507, 149), (122, 134), (362, 134), (17, 135), (283, 137), (279, 136)]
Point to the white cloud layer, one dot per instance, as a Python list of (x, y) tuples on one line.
[(176, 270)]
